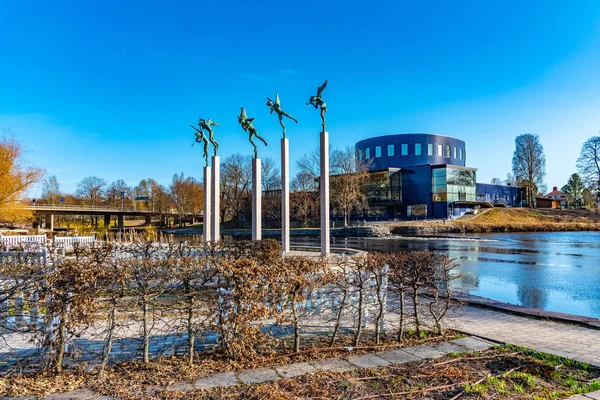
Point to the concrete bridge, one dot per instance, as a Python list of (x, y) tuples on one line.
[(48, 211)]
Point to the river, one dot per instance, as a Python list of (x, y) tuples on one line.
[(554, 271)]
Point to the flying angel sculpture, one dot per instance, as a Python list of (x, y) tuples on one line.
[(276, 106), (207, 126), (248, 127), (201, 138), (317, 101)]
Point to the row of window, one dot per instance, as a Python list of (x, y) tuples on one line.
[(450, 151)]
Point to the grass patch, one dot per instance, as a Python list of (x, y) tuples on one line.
[(503, 375), (530, 220)]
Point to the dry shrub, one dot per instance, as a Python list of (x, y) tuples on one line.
[(418, 274)]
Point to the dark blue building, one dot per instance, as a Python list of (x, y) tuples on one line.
[(421, 175)]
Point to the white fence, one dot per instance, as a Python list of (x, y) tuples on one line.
[(7, 242), (68, 243), (19, 304), (35, 242)]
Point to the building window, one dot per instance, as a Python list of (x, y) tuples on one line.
[(454, 150), (440, 150), (447, 151), (404, 149), (359, 155), (460, 153), (429, 149), (390, 150), (367, 153), (417, 149), (377, 151), (417, 210)]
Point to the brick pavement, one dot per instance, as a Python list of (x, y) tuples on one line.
[(570, 341)]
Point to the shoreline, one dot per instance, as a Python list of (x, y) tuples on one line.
[(387, 230)]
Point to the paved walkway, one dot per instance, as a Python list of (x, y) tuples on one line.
[(570, 341)]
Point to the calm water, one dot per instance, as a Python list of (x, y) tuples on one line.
[(556, 271)]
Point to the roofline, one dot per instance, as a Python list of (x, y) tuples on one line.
[(500, 184), (415, 133)]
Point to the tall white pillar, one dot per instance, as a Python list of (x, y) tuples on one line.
[(216, 199), (285, 196), (256, 200), (324, 187), (207, 211)]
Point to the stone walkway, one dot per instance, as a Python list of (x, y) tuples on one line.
[(570, 341), (587, 396), (341, 364)]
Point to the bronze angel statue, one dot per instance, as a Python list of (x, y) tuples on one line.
[(317, 101), (248, 127), (207, 126), (276, 106), (201, 138)]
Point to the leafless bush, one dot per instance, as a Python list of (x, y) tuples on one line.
[(233, 291), (419, 274), (299, 276)]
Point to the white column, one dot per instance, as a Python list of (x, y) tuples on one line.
[(207, 211), (324, 187), (285, 196), (256, 200), (216, 198)]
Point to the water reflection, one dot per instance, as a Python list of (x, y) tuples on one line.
[(556, 271)]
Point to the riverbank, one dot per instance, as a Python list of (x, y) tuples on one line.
[(507, 220), (530, 220)]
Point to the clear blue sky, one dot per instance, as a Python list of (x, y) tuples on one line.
[(109, 88)]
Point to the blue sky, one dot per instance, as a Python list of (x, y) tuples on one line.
[(109, 88)]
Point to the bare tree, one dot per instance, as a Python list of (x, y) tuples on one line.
[(51, 190), (588, 163), (236, 176), (347, 184), (529, 163), (304, 197), (114, 190), (90, 189), (510, 180), (496, 181), (162, 201), (188, 195), (270, 176), (310, 163)]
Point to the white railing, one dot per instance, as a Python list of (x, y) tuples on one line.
[(19, 302), (69, 242), (7, 242)]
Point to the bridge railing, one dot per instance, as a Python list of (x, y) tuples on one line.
[(52, 207), (94, 208)]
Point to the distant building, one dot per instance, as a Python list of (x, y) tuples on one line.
[(544, 202), (499, 194), (424, 176), (556, 194)]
